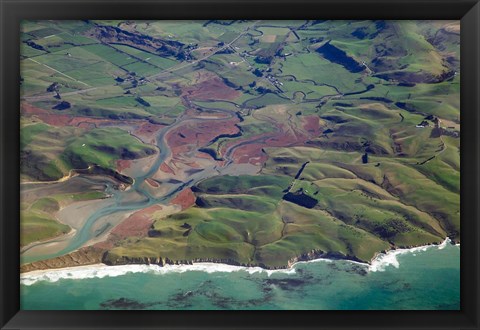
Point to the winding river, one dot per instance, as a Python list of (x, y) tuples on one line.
[(127, 201)]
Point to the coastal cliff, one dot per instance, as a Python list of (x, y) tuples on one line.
[(94, 255), (85, 256), (113, 260)]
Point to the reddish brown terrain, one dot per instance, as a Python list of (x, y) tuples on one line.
[(312, 125), (185, 199), (250, 150), (60, 120), (136, 225), (166, 169), (189, 137), (123, 164), (212, 88), (147, 131), (152, 183), (142, 128)]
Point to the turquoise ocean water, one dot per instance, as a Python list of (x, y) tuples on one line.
[(415, 279)]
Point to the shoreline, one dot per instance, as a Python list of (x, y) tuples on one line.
[(100, 270)]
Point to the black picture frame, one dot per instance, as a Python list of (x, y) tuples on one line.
[(12, 11)]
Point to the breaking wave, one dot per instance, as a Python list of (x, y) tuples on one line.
[(389, 258), (101, 270), (380, 263)]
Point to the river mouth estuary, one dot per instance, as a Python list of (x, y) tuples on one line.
[(306, 165)]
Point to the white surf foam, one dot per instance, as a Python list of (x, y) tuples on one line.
[(380, 263), (101, 270), (383, 260)]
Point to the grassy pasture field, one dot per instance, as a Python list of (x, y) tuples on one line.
[(158, 61), (36, 226), (50, 153), (231, 209), (312, 67)]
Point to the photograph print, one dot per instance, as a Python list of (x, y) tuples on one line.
[(240, 165)]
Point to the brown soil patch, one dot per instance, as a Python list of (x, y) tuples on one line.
[(185, 199), (152, 183), (312, 125), (190, 136), (61, 120), (212, 89), (56, 120), (251, 148), (123, 164), (269, 38), (43, 115), (147, 130), (285, 139), (250, 153), (105, 245), (31, 110), (137, 224), (202, 155), (88, 122), (166, 169), (449, 124)]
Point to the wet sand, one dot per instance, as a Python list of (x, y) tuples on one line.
[(73, 215)]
